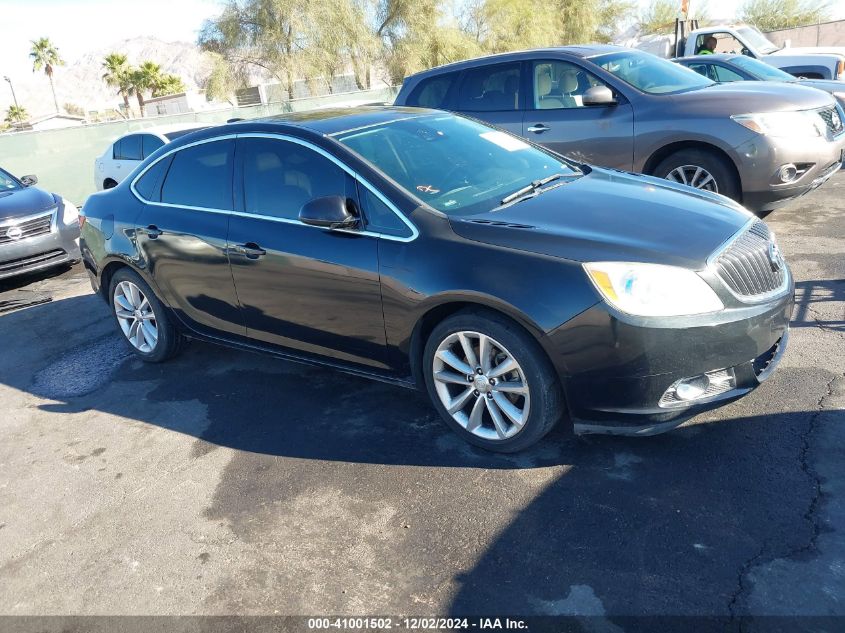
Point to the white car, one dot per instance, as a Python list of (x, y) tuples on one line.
[(122, 156)]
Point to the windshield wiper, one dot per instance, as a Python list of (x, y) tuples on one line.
[(531, 187)]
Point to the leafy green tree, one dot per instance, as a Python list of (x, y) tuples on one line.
[(168, 85), (118, 75), (46, 56), (773, 15), (223, 80), (16, 114), (144, 79)]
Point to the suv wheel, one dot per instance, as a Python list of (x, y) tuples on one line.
[(700, 169), (142, 318), (491, 382)]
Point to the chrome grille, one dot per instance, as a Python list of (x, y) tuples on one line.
[(832, 120), (751, 266), (30, 227)]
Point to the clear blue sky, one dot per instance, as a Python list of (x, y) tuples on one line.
[(80, 26)]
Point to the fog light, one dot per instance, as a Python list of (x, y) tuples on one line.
[(692, 388), (788, 173), (686, 391)]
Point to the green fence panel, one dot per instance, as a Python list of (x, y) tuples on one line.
[(63, 159)]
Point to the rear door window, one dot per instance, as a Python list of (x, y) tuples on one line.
[(493, 88), (725, 75), (201, 176), (129, 148)]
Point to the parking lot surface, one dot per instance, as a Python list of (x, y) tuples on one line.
[(225, 482)]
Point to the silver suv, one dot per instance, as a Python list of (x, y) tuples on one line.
[(760, 143)]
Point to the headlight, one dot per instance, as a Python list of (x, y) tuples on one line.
[(801, 124), (70, 213), (653, 289)]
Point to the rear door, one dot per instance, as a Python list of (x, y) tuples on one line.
[(299, 286), (182, 230), (557, 118)]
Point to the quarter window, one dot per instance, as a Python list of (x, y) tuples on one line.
[(380, 217), (150, 144), (432, 93), (279, 177), (201, 176), (490, 88), (148, 186)]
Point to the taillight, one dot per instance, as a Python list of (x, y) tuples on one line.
[(81, 220), (840, 71)]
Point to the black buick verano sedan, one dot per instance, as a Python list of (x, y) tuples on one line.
[(423, 248)]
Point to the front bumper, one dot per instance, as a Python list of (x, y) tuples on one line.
[(761, 157), (31, 254), (618, 368)]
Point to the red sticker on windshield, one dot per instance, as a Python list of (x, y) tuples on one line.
[(427, 189)]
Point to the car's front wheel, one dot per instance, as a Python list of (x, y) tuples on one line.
[(491, 381), (700, 169), (142, 318)]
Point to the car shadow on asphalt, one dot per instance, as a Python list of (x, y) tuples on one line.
[(808, 296)]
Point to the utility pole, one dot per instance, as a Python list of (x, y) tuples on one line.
[(14, 98)]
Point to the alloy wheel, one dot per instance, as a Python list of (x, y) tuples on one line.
[(135, 316), (694, 176), (481, 385)]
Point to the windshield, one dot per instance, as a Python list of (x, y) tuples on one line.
[(756, 39), (762, 70), (7, 182), (651, 74), (455, 165)]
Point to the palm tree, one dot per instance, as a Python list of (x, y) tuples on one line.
[(146, 77), (117, 75), (16, 114), (45, 55)]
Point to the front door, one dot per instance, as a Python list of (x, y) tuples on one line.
[(307, 288), (556, 117), (182, 230)]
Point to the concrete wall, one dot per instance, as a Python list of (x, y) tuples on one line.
[(63, 159), (824, 34)]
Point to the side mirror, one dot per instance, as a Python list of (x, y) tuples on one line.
[(598, 95), (29, 180), (330, 212)]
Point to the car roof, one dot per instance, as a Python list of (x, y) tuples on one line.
[(577, 50), (161, 130), (715, 57), (329, 121)]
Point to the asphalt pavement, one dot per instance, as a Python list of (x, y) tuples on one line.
[(230, 483)]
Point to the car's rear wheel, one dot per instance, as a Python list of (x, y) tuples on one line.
[(702, 170), (141, 317), (108, 183), (491, 382)]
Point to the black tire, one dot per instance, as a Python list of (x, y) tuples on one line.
[(547, 403), (108, 183), (723, 173), (170, 340)]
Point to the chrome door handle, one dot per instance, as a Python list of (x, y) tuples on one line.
[(539, 128), (152, 231), (250, 250)]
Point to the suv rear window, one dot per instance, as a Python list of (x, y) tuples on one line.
[(432, 92)]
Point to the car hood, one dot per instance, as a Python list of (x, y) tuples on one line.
[(23, 202), (811, 50), (742, 97), (828, 85), (608, 215)]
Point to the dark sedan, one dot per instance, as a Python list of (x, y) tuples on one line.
[(422, 248), (38, 230), (730, 67)]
